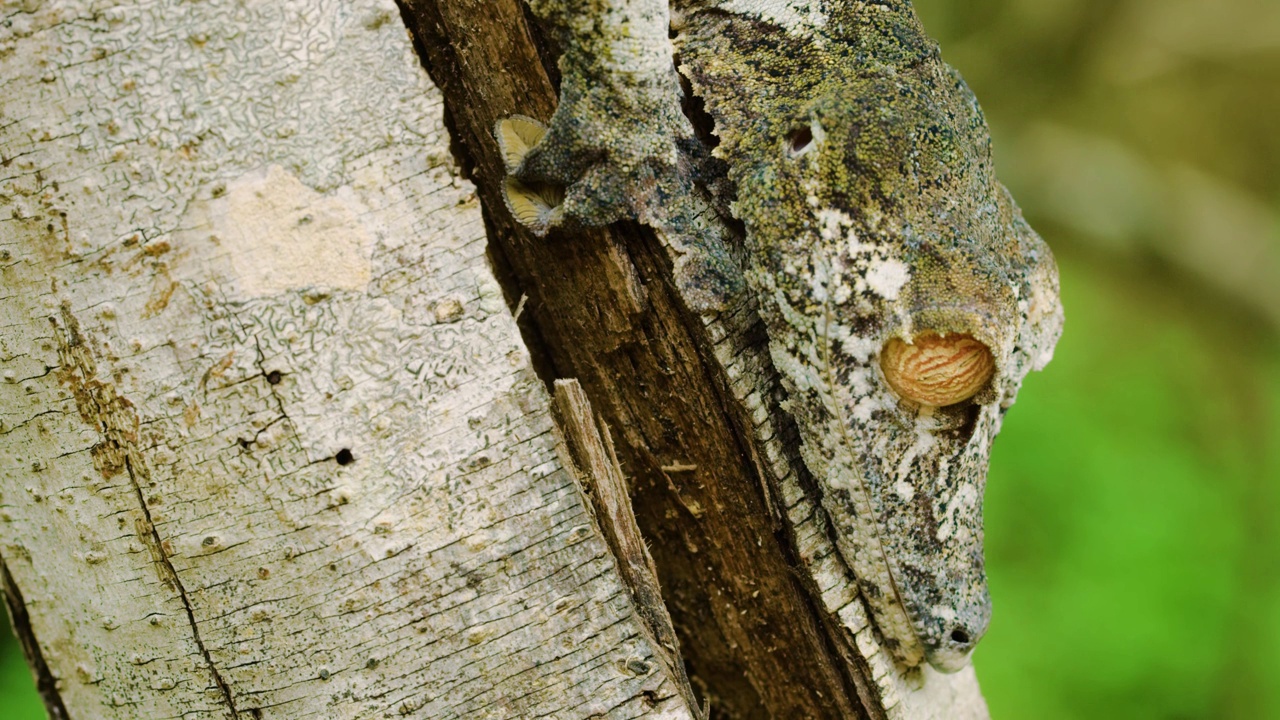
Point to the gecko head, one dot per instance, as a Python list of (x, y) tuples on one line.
[(922, 298)]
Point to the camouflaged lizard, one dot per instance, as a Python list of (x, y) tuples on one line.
[(904, 295)]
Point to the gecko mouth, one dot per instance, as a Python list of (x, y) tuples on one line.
[(929, 539), (955, 652)]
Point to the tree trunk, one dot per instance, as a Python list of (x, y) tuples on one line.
[(271, 443)]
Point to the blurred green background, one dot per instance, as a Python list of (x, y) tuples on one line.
[(1134, 492), (1133, 497)]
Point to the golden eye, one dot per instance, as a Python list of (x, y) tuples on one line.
[(935, 369)]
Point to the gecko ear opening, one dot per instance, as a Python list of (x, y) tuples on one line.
[(937, 370), (799, 141)]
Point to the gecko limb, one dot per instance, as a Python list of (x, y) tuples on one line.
[(616, 146)]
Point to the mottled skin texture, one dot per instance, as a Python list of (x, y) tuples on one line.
[(863, 175), (619, 142)]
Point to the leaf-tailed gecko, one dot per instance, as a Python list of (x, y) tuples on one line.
[(904, 295)]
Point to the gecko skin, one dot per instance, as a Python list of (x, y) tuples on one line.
[(862, 169)]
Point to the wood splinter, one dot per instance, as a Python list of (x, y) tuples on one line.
[(602, 482)]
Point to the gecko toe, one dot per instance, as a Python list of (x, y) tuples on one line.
[(516, 136), (538, 207)]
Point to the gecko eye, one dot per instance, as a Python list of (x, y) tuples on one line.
[(799, 141), (937, 370)]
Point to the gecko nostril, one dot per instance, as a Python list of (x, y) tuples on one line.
[(960, 636)]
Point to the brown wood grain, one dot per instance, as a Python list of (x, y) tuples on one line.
[(601, 308)]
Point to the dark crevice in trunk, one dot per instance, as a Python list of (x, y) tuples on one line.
[(46, 683), (169, 572), (602, 308)]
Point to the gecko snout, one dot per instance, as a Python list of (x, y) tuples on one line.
[(953, 653)]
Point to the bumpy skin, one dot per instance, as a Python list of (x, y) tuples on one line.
[(863, 174), (619, 142), (615, 132)]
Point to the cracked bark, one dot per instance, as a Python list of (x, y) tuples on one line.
[(147, 529), (270, 443)]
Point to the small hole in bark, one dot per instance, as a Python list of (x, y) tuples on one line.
[(274, 377), (960, 636), (344, 457), (799, 140)]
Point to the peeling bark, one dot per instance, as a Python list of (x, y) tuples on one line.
[(591, 446)]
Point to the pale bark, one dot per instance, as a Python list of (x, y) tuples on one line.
[(270, 443)]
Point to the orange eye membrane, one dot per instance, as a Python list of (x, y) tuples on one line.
[(937, 370)]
